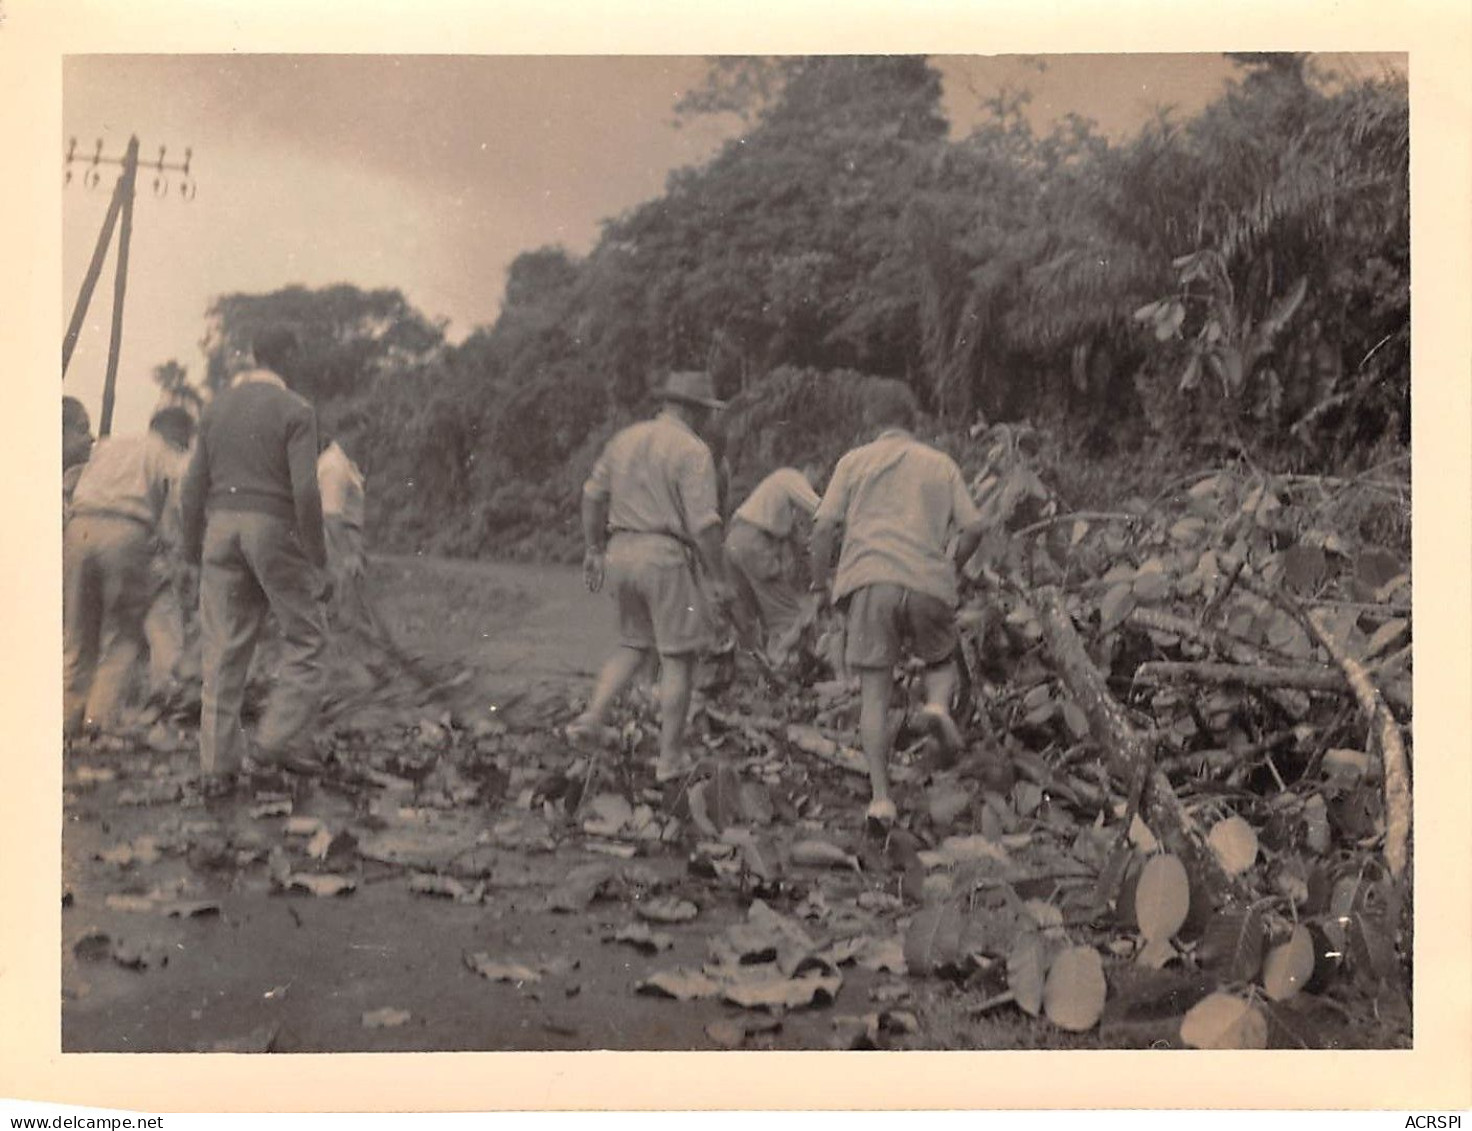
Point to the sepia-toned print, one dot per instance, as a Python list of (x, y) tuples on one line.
[(774, 553)]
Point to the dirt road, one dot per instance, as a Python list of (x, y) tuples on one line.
[(176, 937)]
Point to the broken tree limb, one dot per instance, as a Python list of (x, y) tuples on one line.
[(1077, 516), (1300, 677), (1292, 702), (1392, 748), (1221, 759), (1221, 643), (1128, 749)]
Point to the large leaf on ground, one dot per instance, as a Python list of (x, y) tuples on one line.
[(1162, 897), (781, 994), (1289, 966), (682, 985), (934, 938), (666, 909), (1073, 996), (1027, 967), (1234, 843), (1224, 1021), (765, 936), (579, 887), (1232, 945)]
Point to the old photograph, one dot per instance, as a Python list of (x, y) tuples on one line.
[(823, 552)]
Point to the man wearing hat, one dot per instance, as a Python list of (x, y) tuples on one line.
[(650, 519)]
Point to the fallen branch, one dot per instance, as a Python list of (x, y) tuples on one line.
[(1239, 651), (1128, 749), (1216, 760), (1392, 749), (1301, 677), (1076, 516)]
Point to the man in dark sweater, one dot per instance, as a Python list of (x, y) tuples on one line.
[(252, 514)]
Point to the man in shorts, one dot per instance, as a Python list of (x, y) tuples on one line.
[(900, 503), (650, 520)]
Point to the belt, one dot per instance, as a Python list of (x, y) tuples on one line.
[(117, 516)]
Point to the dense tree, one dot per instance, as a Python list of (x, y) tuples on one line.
[(1239, 278)]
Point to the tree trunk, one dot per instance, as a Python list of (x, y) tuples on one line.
[(1130, 753)]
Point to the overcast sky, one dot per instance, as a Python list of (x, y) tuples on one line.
[(427, 173)]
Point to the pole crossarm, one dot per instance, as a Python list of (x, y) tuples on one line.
[(120, 208)]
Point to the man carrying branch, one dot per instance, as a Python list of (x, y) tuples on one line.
[(650, 522), (899, 502)]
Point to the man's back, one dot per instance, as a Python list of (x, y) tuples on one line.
[(899, 502), (128, 476), (246, 435), (774, 502), (659, 478)]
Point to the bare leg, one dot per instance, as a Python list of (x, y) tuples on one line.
[(874, 691), (940, 686), (674, 705), (617, 673)]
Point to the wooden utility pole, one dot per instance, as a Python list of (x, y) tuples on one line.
[(120, 207)]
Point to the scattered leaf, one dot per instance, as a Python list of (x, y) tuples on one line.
[(1289, 966), (1232, 945), (579, 888), (1026, 971), (1224, 1021), (777, 994), (682, 985), (610, 813), (386, 1018), (495, 971), (933, 941), (1117, 604), (822, 854), (1073, 996), (641, 938), (1162, 897), (321, 883), (732, 1032), (1234, 843), (666, 909)]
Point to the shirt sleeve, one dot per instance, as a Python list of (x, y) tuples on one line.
[(301, 458), (599, 484), (698, 491), (963, 506), (192, 493), (834, 504), (801, 492)]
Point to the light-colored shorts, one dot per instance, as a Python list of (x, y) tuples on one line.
[(659, 604), (886, 622)]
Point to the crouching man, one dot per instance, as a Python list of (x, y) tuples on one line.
[(900, 504), (107, 562)]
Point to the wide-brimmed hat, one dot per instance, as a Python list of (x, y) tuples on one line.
[(690, 386)]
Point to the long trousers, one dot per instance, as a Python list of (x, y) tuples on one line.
[(107, 587), (253, 563)]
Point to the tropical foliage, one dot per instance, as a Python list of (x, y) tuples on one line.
[(1236, 282)]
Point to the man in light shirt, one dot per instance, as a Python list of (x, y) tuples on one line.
[(107, 559), (900, 504), (341, 486), (759, 554), (650, 520)]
